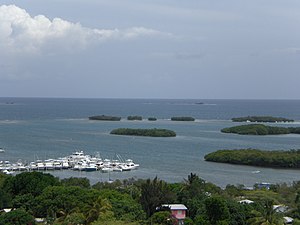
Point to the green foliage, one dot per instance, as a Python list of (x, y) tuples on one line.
[(76, 181), (16, 217), (267, 215), (162, 218), (216, 210), (29, 183), (134, 118), (123, 205), (268, 119), (74, 218), (60, 200), (5, 199), (259, 129), (107, 118), (130, 202), (182, 118), (152, 119), (154, 193), (254, 157), (114, 222), (144, 132)]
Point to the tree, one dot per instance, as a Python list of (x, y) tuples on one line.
[(16, 217), (5, 199), (123, 205), (74, 219), (76, 181), (153, 194), (59, 200), (193, 194), (216, 209), (101, 208), (266, 216), (162, 218), (29, 183)]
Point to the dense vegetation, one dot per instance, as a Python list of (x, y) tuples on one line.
[(261, 119), (254, 157), (144, 132), (182, 118), (260, 129), (131, 202), (134, 118), (152, 119), (104, 117)]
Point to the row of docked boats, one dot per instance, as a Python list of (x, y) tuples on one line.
[(77, 161)]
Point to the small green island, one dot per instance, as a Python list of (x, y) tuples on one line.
[(104, 117), (144, 132), (134, 118), (152, 119), (254, 157), (182, 118), (260, 129), (261, 119)]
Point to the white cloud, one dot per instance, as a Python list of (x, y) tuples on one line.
[(20, 32)]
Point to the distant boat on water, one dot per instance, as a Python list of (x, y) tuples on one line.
[(2, 150)]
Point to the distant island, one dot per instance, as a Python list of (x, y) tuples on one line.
[(255, 157), (107, 118), (134, 118), (260, 129), (152, 119), (182, 118), (144, 132), (261, 119)]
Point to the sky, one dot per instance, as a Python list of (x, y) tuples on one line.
[(198, 49)]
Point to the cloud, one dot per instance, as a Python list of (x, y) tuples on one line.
[(20, 32)]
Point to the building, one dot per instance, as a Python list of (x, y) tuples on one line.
[(178, 212)]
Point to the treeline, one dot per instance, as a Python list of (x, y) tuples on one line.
[(255, 157), (182, 118), (136, 117), (131, 202), (144, 132), (104, 117), (260, 129), (261, 119)]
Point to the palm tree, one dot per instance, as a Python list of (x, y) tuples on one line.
[(100, 208), (268, 216)]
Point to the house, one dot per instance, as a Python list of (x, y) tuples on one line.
[(178, 212), (288, 220), (280, 208)]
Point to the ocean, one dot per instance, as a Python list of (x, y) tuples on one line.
[(43, 128)]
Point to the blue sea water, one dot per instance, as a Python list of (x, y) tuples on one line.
[(42, 128)]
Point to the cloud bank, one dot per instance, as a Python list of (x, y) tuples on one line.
[(20, 32)]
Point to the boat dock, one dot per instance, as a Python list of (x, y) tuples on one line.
[(76, 161)]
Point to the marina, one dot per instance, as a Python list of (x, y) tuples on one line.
[(76, 161), (53, 128)]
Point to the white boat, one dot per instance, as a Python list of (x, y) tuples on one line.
[(2, 150), (88, 167), (40, 165), (106, 169), (49, 164), (117, 168), (8, 172)]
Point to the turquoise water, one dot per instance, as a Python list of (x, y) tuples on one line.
[(33, 129)]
